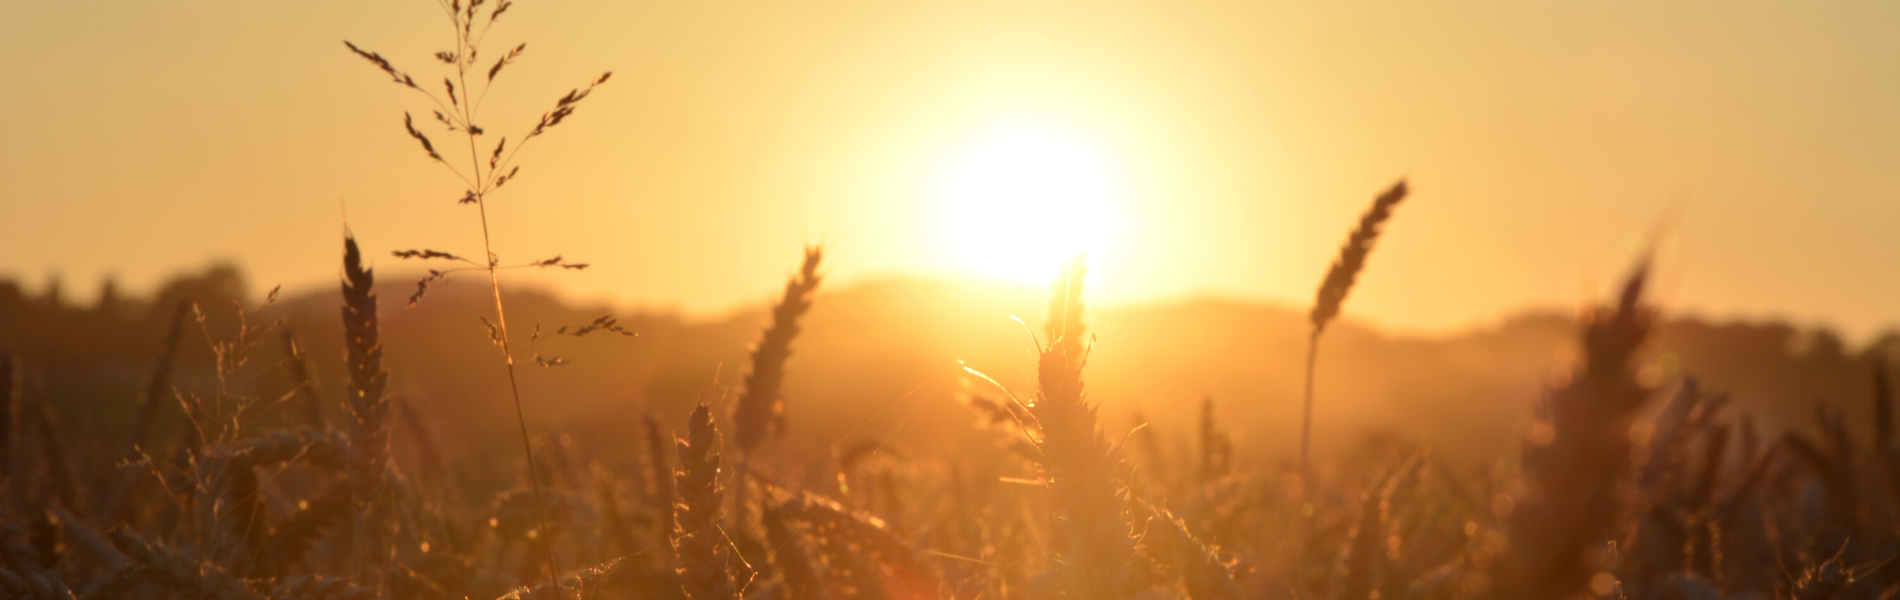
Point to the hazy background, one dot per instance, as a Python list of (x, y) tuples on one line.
[(1544, 142), (880, 362)]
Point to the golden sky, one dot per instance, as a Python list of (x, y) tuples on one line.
[(1208, 147)]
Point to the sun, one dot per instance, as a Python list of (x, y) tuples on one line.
[(1019, 203)]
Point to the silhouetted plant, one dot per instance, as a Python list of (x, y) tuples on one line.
[(461, 115)]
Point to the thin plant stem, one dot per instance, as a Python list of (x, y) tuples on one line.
[(1306, 413), (521, 418), (460, 115), (501, 312)]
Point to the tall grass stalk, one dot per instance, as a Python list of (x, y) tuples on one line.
[(483, 178), (1332, 295)]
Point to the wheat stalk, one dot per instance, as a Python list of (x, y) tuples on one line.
[(760, 411), (369, 439), (1576, 460), (1100, 551), (659, 478), (1332, 295), (704, 554)]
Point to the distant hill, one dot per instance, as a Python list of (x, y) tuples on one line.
[(879, 360)]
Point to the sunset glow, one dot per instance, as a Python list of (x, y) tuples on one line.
[(933, 299), (1215, 149), (1017, 204)]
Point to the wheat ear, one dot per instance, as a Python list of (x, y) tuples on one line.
[(1332, 295), (369, 410), (701, 546), (760, 411), (1576, 461), (1065, 305), (1099, 555)]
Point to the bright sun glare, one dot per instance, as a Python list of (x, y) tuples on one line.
[(1018, 204)]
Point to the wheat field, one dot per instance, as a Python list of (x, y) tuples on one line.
[(254, 476), (1695, 503)]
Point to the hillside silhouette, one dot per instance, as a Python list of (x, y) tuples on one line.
[(879, 361)]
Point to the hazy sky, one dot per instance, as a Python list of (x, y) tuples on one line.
[(1215, 147)]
